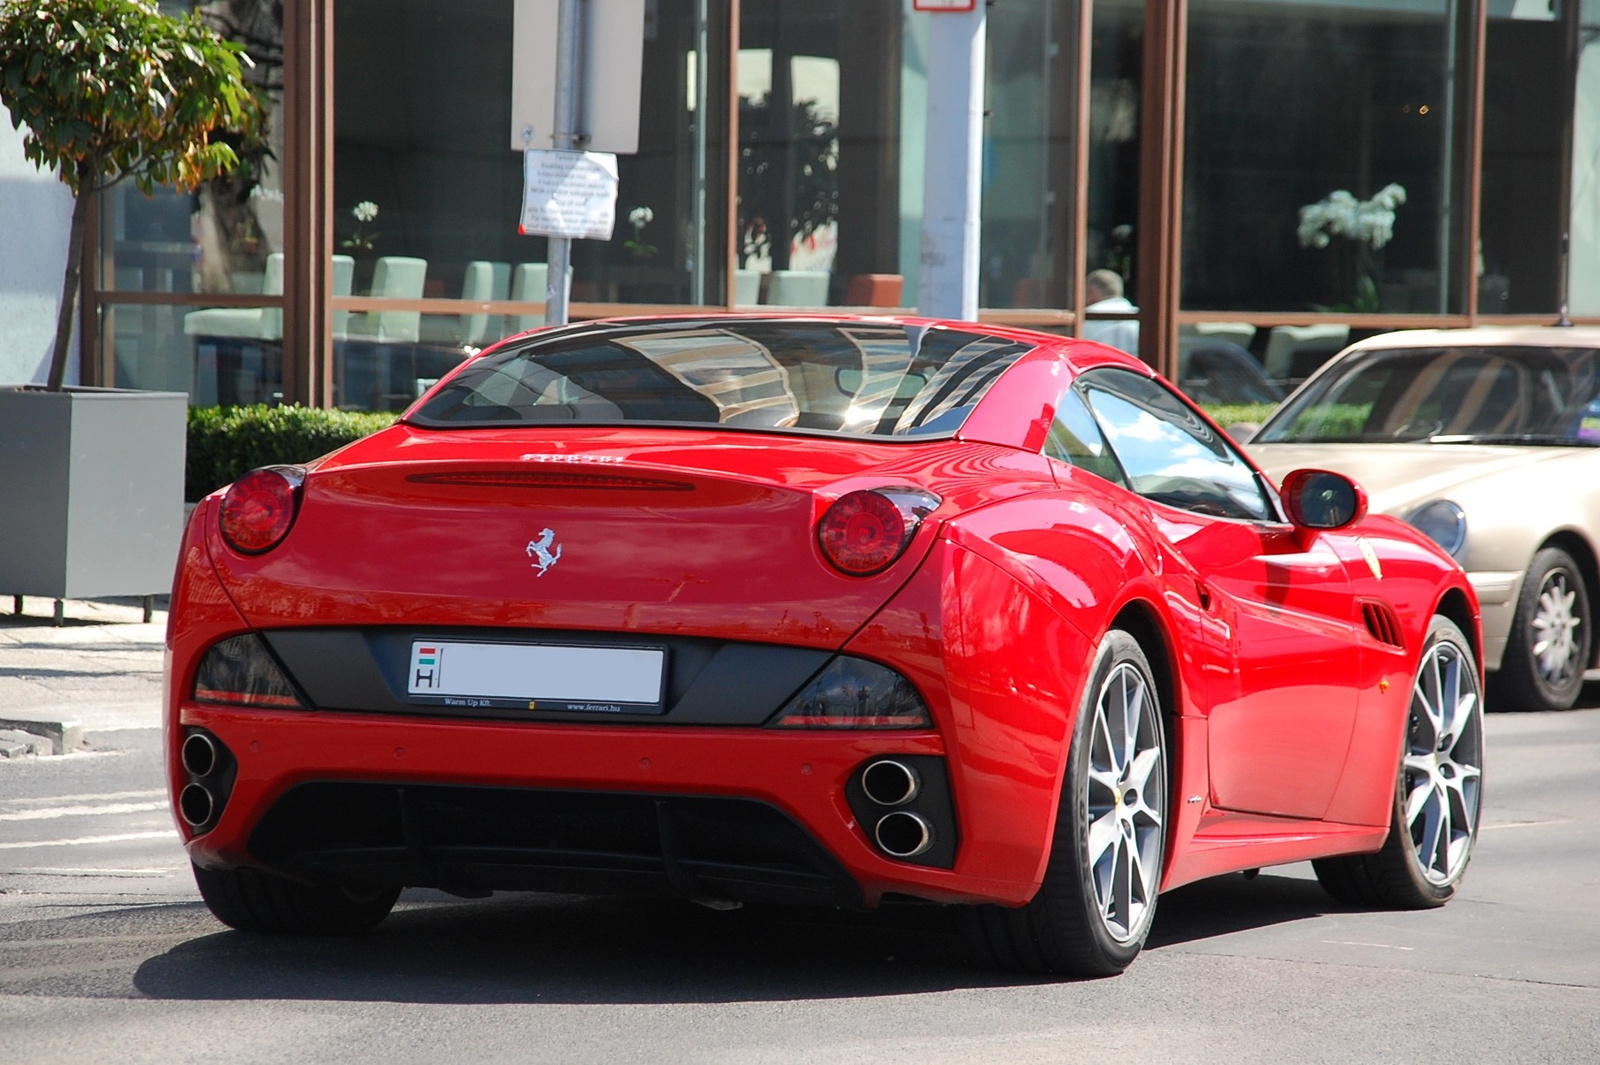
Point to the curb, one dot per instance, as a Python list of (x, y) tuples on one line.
[(64, 735)]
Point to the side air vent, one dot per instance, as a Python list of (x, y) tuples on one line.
[(1382, 622), (548, 479)]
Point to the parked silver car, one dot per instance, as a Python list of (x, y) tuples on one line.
[(1488, 440)]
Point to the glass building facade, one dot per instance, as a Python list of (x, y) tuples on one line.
[(1282, 175)]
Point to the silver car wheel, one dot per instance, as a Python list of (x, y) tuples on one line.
[(1126, 800), (1443, 768), (1555, 630)]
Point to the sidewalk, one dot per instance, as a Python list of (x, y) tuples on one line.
[(101, 668)]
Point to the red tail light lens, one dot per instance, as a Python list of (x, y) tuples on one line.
[(864, 531), (259, 508)]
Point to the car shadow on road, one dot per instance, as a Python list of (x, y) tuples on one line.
[(557, 949), (1223, 905)]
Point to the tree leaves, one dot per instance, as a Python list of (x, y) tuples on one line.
[(113, 89)]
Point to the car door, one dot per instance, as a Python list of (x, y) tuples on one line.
[(1282, 708)]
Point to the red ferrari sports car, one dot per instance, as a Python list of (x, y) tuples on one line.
[(819, 610)]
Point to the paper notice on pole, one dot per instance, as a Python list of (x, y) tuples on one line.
[(569, 194)]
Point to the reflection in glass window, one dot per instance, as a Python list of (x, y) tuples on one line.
[(1076, 440), (1029, 92), (1117, 70), (1168, 453), (219, 238), (819, 127), (1486, 395), (1346, 111), (856, 380), (423, 167)]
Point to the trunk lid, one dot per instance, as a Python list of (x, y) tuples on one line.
[(660, 531)]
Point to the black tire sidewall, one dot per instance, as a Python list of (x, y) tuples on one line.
[(1072, 820), (1522, 682), (1429, 893)]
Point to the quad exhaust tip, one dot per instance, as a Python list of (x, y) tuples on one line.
[(196, 804), (903, 834), (199, 754), (890, 783)]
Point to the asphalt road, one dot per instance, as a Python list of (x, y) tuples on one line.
[(107, 955)]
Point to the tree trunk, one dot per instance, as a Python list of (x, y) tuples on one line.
[(69, 291)]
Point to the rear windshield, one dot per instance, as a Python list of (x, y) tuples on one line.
[(1485, 395), (851, 378)]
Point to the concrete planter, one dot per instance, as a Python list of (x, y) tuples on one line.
[(91, 491)]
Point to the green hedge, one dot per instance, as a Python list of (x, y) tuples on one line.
[(1234, 414), (226, 442)]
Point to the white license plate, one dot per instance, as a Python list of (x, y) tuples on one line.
[(553, 677)]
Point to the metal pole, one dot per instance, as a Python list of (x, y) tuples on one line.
[(569, 35), (702, 133)]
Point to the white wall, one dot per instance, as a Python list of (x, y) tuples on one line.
[(1584, 297), (35, 214)]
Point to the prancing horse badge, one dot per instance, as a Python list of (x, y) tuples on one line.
[(540, 551)]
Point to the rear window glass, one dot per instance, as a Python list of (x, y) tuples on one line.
[(852, 378)]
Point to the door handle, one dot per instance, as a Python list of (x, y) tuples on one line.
[(1203, 592)]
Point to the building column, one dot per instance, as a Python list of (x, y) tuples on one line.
[(947, 284), (308, 200), (1160, 239)]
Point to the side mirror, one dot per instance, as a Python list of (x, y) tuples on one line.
[(1322, 499)]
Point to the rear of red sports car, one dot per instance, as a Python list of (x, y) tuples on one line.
[(659, 619)]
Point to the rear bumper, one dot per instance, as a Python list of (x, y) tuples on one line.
[(324, 795)]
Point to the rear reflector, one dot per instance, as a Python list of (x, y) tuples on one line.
[(259, 508), (240, 671), (853, 693)]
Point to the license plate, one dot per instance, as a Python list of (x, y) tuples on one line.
[(553, 677)]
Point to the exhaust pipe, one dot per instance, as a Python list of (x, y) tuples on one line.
[(903, 834), (196, 804), (199, 754), (890, 783)]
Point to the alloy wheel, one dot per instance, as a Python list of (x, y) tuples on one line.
[(1443, 768), (1555, 638), (1126, 800)]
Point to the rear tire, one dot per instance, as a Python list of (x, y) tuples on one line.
[(1095, 907), (1438, 791), (251, 900), (1548, 646)]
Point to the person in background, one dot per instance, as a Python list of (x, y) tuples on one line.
[(1103, 290)]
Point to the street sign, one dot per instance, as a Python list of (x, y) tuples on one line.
[(612, 34)]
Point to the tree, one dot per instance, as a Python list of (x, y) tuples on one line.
[(113, 90)]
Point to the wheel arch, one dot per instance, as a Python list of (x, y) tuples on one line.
[(1455, 605), (1139, 619)]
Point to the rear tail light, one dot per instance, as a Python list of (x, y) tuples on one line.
[(259, 508), (852, 693), (240, 671), (864, 531)]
